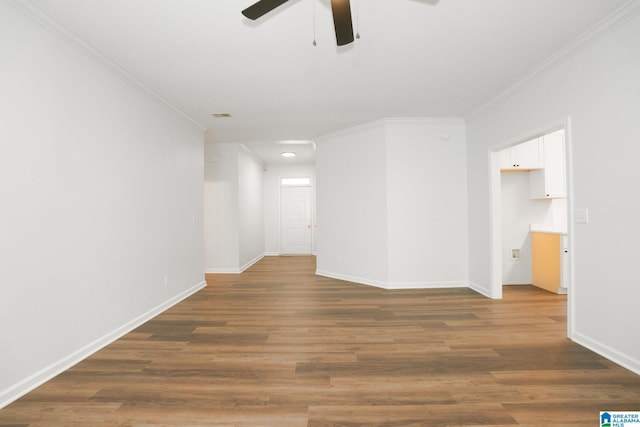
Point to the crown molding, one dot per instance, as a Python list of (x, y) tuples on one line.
[(586, 39), (33, 12), (350, 130), (384, 121), (426, 120)]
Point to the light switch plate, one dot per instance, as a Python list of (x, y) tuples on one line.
[(582, 216)]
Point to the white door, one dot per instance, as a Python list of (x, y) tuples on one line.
[(295, 220)]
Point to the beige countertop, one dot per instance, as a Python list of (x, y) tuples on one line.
[(547, 228)]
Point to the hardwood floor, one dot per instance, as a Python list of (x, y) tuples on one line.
[(279, 346)]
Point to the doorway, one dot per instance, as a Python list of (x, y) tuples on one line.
[(501, 256), (296, 226)]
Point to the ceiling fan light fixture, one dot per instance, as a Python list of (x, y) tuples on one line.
[(341, 10), (342, 21), (262, 7)]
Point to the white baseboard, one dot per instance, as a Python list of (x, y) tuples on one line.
[(482, 291), (233, 270), (250, 263), (393, 285), (222, 271), (427, 285), (280, 254), (603, 350), (353, 279), (30, 383)]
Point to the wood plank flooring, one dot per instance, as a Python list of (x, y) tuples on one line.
[(279, 346)]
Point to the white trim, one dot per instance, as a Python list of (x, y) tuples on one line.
[(495, 226), (482, 291), (369, 125), (571, 229), (40, 17), (392, 285), (222, 271), (253, 155), (589, 37), (234, 270), (495, 215), (272, 254), (28, 384), (250, 263), (354, 279), (427, 285), (428, 120), (615, 356)]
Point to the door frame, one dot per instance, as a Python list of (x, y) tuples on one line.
[(495, 208), (313, 215)]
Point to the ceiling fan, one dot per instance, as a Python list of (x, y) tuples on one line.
[(341, 10)]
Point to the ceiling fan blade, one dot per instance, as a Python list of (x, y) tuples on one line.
[(342, 21), (262, 7)]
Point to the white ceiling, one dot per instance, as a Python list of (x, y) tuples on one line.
[(414, 58), (271, 151)]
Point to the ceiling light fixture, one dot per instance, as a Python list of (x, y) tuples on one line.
[(221, 115), (341, 10), (295, 142), (288, 154)]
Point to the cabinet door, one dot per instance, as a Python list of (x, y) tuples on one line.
[(545, 261), (505, 159), (550, 182), (524, 157), (529, 155)]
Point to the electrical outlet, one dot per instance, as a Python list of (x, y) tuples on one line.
[(515, 253)]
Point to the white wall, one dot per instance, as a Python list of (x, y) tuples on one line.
[(351, 184), (101, 194), (598, 88), (233, 214), (426, 202), (272, 176), (519, 211), (221, 219), (250, 208), (392, 204)]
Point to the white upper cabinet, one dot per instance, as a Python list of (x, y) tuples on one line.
[(523, 157), (550, 182)]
